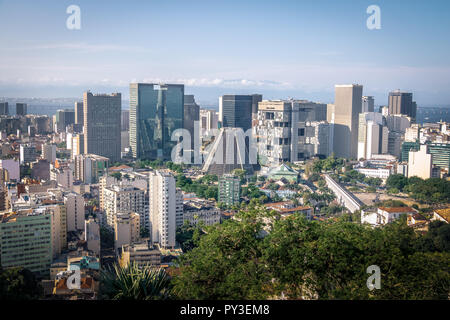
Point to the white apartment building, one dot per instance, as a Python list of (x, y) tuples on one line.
[(162, 208), (372, 135), (126, 229), (123, 199), (420, 163), (75, 211)]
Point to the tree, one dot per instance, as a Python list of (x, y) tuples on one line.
[(116, 175), (18, 283), (134, 283), (396, 181), (226, 264)]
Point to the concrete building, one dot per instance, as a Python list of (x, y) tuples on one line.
[(383, 215), (49, 152), (13, 168), (77, 145), (143, 254), (40, 170), (64, 117), (291, 130), (162, 208), (4, 110), (75, 211), (89, 167), (126, 229), (21, 109), (102, 124), (92, 235), (397, 125), (124, 199), (197, 210), (125, 120), (79, 113), (367, 104), (420, 163), (402, 103), (235, 111), (209, 120), (26, 241), (62, 175), (373, 135), (229, 190), (156, 111), (347, 107), (27, 153), (412, 134)]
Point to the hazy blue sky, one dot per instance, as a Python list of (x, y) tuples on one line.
[(279, 48)]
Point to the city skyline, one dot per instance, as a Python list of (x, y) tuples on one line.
[(303, 52)]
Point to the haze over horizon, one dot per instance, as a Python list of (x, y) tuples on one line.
[(299, 50)]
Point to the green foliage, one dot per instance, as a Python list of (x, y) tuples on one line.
[(188, 236), (437, 239), (106, 238), (116, 175), (309, 259), (200, 189), (134, 283), (144, 232), (18, 284), (227, 264), (396, 181)]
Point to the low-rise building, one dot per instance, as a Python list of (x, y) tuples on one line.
[(197, 210), (143, 254)]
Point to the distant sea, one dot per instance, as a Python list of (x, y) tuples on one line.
[(433, 114)]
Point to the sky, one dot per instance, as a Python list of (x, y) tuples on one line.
[(282, 48)]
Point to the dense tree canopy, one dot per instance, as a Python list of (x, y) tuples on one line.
[(257, 257), (18, 284)]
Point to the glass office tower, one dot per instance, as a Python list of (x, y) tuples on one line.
[(156, 111)]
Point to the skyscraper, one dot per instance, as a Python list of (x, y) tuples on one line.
[(235, 111), (402, 103), (21, 109), (372, 136), (79, 115), (156, 111), (64, 117), (162, 203), (4, 108), (191, 114), (367, 104), (347, 102), (102, 124)]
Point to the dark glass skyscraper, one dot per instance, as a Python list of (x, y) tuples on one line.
[(402, 103), (156, 111), (235, 111)]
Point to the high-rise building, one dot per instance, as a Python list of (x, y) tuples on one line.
[(420, 163), (64, 117), (156, 111), (75, 211), (26, 241), (208, 120), (102, 124), (397, 125), (79, 113), (412, 134), (292, 130), (235, 111), (402, 103), (124, 199), (372, 135), (89, 167), (21, 109), (191, 116), (347, 102), (229, 189), (27, 153), (49, 152), (126, 229), (92, 235), (125, 120), (77, 145), (162, 204), (367, 104), (4, 110)]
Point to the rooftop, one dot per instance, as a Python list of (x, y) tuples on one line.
[(444, 213), (397, 209)]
